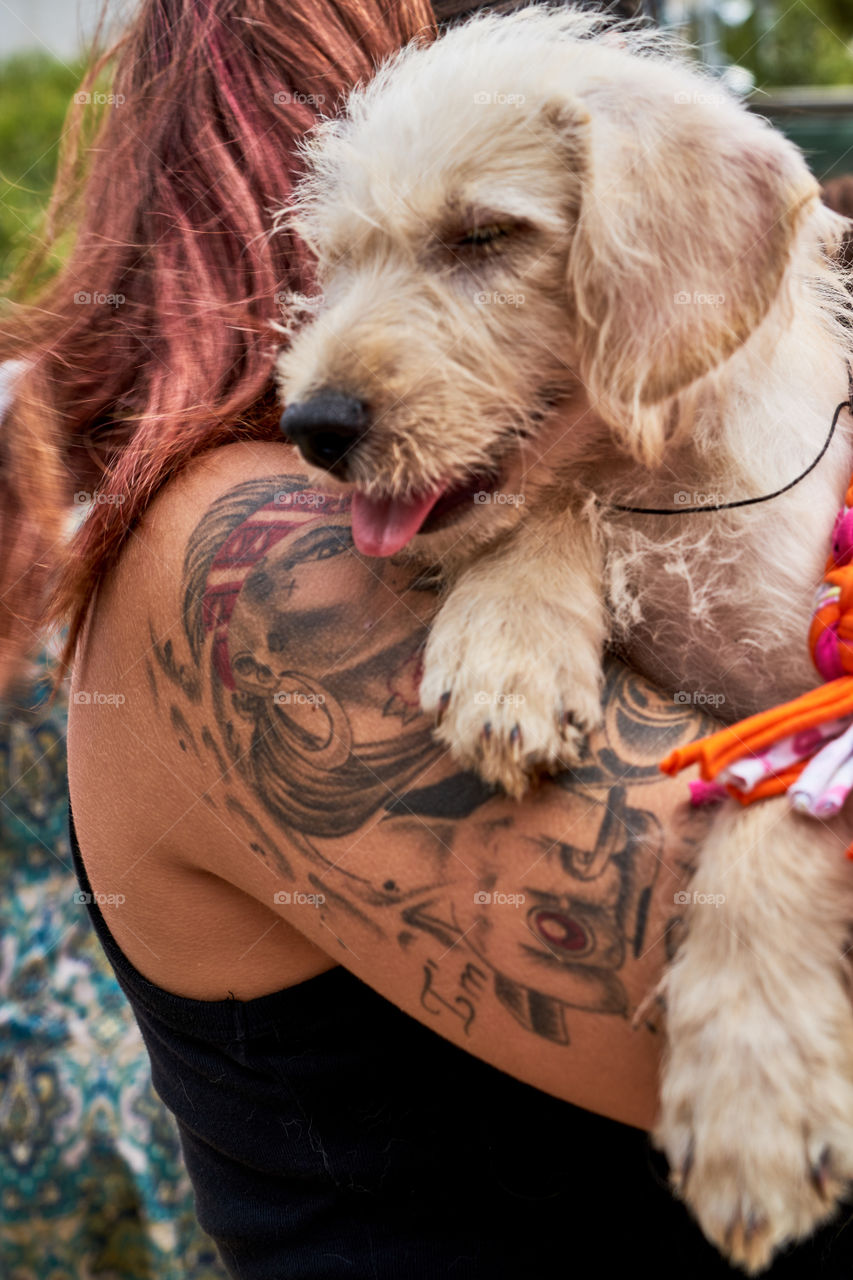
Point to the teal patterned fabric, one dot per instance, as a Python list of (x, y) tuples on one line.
[(91, 1178)]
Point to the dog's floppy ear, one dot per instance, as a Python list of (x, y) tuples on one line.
[(689, 210)]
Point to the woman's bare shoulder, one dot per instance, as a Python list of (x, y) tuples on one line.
[(271, 674), (210, 476)]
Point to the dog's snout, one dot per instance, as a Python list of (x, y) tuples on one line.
[(326, 428)]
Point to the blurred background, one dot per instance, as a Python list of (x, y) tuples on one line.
[(91, 1179), (792, 60)]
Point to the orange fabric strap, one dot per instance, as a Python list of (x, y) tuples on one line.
[(717, 751)]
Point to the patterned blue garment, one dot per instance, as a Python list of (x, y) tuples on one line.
[(92, 1183)]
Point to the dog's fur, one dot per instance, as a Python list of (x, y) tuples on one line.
[(682, 328)]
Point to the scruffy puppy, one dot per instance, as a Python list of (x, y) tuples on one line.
[(562, 270)]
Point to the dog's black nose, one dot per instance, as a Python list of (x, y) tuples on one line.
[(326, 429)]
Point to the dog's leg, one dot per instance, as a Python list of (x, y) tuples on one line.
[(513, 663), (757, 1094)]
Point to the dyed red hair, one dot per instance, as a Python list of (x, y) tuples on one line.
[(173, 352)]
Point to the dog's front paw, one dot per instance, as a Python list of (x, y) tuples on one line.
[(757, 1114), (507, 702)]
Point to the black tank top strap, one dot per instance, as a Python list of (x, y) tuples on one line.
[(222, 1020)]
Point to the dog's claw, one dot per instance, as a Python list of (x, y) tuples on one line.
[(650, 1012), (754, 1223), (515, 736), (733, 1239), (820, 1175), (443, 704), (678, 1177), (741, 1236), (486, 731)]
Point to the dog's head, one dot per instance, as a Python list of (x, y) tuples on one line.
[(533, 208)]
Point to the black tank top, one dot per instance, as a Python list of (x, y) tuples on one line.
[(328, 1135)]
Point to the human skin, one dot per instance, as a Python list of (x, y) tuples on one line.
[(251, 773)]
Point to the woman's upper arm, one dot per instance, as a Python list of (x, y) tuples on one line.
[(526, 932)]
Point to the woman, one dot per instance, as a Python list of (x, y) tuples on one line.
[(296, 887)]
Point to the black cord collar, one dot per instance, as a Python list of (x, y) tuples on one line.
[(743, 502)]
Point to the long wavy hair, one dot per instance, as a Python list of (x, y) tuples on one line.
[(153, 342)]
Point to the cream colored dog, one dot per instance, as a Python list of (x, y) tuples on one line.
[(562, 269)]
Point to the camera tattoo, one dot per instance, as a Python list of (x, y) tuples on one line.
[(290, 670)]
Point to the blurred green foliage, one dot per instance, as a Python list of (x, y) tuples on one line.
[(783, 42), (35, 91), (794, 42)]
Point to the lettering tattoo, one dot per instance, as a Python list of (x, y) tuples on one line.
[(315, 706), (468, 986)]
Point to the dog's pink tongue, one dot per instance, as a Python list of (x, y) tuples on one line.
[(381, 526)]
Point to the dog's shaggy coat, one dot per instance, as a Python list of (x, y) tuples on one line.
[(555, 253)]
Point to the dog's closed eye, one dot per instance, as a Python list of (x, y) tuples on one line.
[(479, 235), (483, 236)]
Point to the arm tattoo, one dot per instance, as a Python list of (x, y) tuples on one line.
[(290, 677)]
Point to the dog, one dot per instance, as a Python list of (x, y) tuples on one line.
[(565, 272)]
